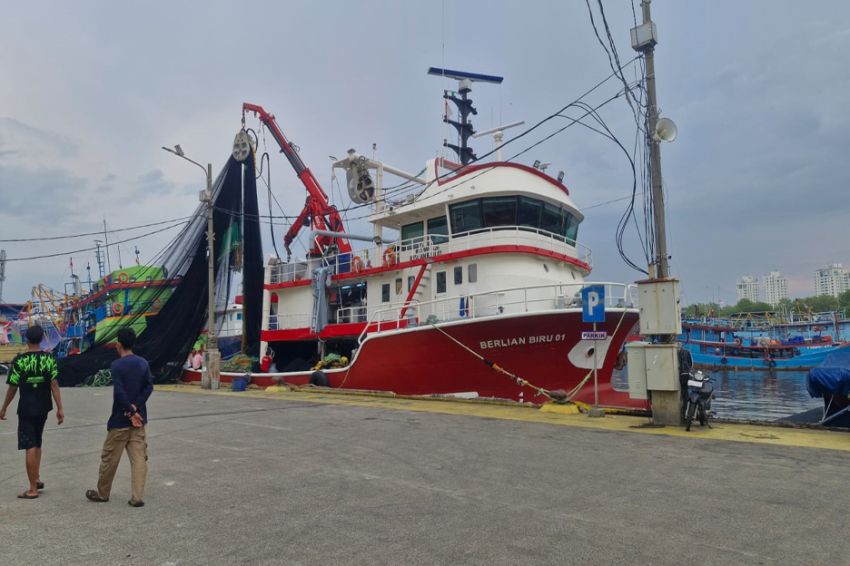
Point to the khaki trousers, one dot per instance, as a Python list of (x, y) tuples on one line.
[(117, 440)]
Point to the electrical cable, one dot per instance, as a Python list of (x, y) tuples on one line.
[(99, 232)]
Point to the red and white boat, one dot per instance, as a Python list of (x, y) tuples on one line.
[(485, 264)]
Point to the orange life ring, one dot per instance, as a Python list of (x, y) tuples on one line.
[(117, 308), (123, 277), (390, 257), (356, 264)]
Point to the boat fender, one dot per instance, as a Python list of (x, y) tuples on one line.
[(356, 264), (123, 277), (390, 257), (724, 361), (319, 378), (117, 309), (265, 364)]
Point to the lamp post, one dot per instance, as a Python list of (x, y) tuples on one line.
[(210, 377)]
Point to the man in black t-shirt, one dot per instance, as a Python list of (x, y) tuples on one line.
[(34, 373)]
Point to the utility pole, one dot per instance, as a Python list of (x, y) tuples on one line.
[(659, 294), (660, 260), (2, 272)]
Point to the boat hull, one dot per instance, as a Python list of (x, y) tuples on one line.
[(545, 349), (807, 359)]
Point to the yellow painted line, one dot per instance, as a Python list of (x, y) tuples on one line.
[(549, 414)]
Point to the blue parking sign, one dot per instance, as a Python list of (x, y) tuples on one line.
[(593, 303)]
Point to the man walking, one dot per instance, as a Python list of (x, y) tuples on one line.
[(132, 384), (34, 373)]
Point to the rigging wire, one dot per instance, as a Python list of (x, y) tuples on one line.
[(99, 232)]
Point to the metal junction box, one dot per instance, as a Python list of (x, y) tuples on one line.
[(659, 307), (652, 367)]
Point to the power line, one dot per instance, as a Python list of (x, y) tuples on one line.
[(60, 254), (99, 232)]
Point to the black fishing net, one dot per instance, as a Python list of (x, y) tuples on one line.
[(169, 335)]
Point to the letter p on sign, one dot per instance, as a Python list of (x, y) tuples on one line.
[(593, 303)]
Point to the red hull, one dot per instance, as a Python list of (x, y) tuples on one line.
[(423, 361)]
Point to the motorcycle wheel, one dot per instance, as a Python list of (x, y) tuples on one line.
[(703, 416), (689, 415)]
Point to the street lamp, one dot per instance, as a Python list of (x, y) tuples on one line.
[(211, 376)]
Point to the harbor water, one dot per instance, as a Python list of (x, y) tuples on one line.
[(761, 395)]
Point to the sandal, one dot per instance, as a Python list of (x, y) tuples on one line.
[(93, 495), (26, 495), (139, 503), (39, 484)]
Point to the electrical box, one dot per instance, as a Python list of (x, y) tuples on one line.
[(636, 364), (662, 367), (658, 300), (652, 367), (644, 36)]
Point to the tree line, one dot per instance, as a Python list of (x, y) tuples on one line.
[(799, 307)]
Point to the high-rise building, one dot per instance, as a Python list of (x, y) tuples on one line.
[(832, 280), (748, 288), (774, 288)]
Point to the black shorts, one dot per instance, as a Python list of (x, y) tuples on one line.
[(30, 430)]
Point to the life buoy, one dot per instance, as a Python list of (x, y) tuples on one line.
[(724, 361), (390, 257), (356, 264), (117, 308), (123, 277), (738, 341)]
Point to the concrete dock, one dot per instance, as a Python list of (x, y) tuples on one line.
[(312, 478)]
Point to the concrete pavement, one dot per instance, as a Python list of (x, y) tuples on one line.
[(267, 479)]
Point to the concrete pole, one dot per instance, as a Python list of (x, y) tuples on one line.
[(660, 260), (213, 374)]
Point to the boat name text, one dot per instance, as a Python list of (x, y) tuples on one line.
[(520, 341)]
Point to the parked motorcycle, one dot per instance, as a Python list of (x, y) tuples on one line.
[(699, 396)]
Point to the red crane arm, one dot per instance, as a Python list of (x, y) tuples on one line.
[(317, 207)]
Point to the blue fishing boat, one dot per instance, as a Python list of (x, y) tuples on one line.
[(719, 344)]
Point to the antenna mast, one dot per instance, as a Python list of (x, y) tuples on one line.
[(464, 105)]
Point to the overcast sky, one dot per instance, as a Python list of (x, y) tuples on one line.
[(758, 180)]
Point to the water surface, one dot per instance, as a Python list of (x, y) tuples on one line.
[(761, 395)]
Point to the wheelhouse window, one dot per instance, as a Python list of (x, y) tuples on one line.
[(499, 211), (466, 216), (438, 229), (441, 281), (522, 212)]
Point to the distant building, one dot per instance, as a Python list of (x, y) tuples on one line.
[(774, 288), (832, 280), (748, 288)]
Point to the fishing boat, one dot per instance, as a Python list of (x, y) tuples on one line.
[(717, 344), (478, 294), (124, 297)]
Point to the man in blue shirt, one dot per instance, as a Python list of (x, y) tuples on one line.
[(132, 384), (34, 373)]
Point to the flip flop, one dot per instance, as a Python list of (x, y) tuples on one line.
[(26, 495), (92, 495), (39, 484)]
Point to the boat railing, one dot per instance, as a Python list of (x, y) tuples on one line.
[(352, 314), (498, 302), (281, 321), (430, 245)]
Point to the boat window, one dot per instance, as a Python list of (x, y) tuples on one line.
[(398, 281), (438, 229), (441, 281), (499, 211), (466, 216), (458, 274), (410, 231), (571, 229), (528, 213), (472, 272), (239, 316), (385, 293), (410, 281), (552, 219)]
